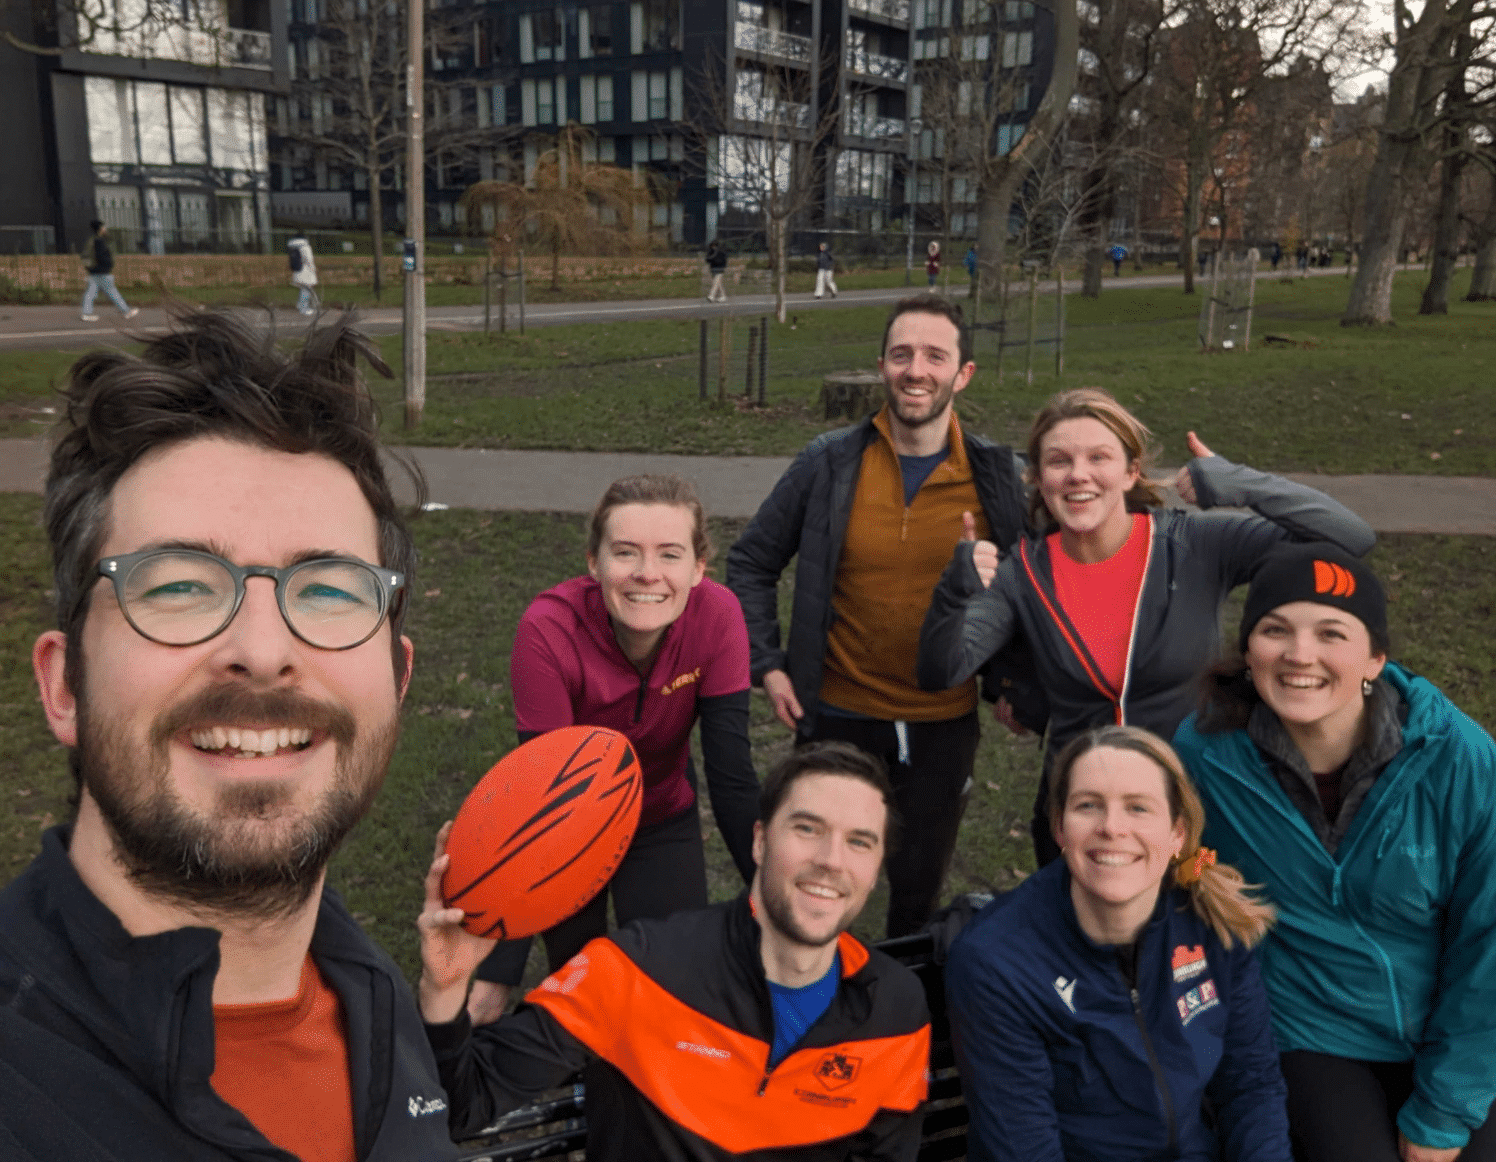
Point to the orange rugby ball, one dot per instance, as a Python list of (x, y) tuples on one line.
[(543, 831)]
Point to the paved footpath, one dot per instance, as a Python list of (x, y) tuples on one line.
[(733, 486), (58, 326)]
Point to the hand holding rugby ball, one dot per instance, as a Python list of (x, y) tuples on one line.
[(543, 832)]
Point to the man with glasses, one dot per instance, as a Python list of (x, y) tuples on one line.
[(230, 573)]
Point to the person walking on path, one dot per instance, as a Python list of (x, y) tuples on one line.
[(825, 268), (870, 514), (303, 273), (971, 269), (932, 263), (1117, 253), (716, 263), (101, 277)]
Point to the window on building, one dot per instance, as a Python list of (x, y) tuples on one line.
[(595, 30), (545, 102), (661, 25), (188, 127), (659, 96), (548, 31), (1014, 11), (1018, 49), (1008, 136)]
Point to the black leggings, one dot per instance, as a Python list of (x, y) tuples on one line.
[(1340, 1110), (930, 792), (663, 872)]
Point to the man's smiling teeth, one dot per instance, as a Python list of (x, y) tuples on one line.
[(250, 742), (821, 890)]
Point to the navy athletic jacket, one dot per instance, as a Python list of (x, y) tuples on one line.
[(1061, 1061)]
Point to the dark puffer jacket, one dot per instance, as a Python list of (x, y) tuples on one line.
[(806, 515)]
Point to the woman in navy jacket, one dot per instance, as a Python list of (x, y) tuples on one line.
[(1098, 1006)]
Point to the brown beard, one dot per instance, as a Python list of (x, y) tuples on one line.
[(781, 914), (222, 864)]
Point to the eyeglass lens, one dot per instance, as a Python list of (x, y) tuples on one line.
[(183, 598)]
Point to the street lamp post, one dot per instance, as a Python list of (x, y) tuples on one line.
[(910, 196), (413, 316)]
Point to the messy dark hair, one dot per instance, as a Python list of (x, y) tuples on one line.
[(213, 374), (926, 303), (830, 758)]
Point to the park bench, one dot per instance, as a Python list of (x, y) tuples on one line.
[(555, 1128)]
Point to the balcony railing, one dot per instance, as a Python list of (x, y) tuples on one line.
[(888, 9), (770, 112), (881, 128), (248, 49), (771, 42), (872, 64)]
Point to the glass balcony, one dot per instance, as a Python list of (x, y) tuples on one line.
[(888, 9), (248, 49), (873, 64), (771, 42), (879, 128)]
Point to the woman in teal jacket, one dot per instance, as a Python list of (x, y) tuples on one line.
[(1364, 802)]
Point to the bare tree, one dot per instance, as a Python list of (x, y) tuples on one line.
[(348, 103), (1213, 64), (1117, 38), (765, 129), (1425, 50), (568, 201), (1000, 169), (1461, 127)]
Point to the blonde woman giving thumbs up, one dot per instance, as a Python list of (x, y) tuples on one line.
[(1118, 596)]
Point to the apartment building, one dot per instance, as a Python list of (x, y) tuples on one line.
[(152, 120), (711, 101)]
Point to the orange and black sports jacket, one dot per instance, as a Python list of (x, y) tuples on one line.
[(672, 1022)]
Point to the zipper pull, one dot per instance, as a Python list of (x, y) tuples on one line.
[(764, 1084)]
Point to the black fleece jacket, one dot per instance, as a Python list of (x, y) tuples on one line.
[(107, 1040), (806, 516)]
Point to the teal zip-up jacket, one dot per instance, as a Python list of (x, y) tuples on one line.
[(1385, 950)]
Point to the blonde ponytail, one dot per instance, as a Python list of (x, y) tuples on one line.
[(1218, 893)]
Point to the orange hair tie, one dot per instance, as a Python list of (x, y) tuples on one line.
[(1191, 868)]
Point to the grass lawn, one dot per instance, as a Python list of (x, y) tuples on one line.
[(1414, 398), (478, 572)]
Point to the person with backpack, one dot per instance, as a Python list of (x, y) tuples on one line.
[(716, 263), (303, 273), (825, 272), (101, 276)]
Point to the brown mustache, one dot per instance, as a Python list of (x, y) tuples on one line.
[(230, 704)]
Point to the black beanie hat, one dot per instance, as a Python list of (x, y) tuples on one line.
[(1322, 573)]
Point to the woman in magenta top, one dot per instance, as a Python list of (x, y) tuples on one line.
[(646, 644)]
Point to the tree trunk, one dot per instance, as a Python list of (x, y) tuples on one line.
[(556, 262), (1423, 58), (1097, 209), (1446, 233), (1447, 227), (777, 248), (376, 229), (1483, 277), (1000, 175), (1189, 243)]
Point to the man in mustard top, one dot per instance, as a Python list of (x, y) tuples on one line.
[(873, 511)]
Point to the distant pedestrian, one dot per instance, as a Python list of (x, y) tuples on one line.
[(716, 262), (101, 276), (1301, 255), (303, 273), (1277, 255), (825, 267), (932, 263), (972, 264), (1117, 253), (1203, 257)]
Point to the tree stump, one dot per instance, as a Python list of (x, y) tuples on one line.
[(853, 394)]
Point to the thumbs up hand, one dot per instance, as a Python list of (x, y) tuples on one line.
[(1184, 483), (983, 555)]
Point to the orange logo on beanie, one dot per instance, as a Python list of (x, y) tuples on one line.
[(1336, 580)]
